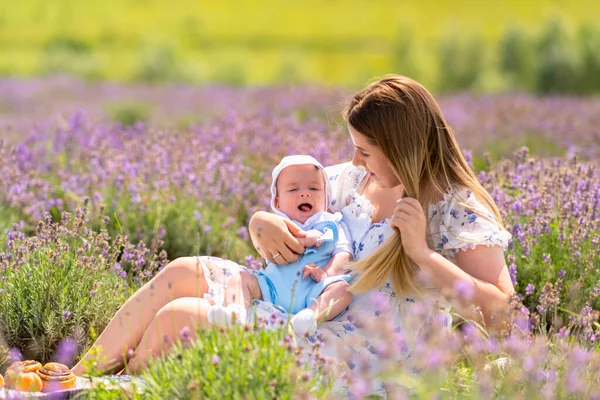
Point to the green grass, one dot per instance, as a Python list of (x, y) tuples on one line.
[(241, 363), (495, 150)]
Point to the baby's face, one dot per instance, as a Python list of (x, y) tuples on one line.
[(300, 192)]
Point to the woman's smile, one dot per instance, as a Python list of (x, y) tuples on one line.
[(371, 158)]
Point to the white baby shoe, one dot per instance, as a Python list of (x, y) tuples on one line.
[(227, 316), (304, 323)]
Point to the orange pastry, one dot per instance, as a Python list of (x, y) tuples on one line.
[(17, 368), (56, 376), (1, 381), (28, 382)]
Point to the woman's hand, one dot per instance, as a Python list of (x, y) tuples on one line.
[(275, 237), (409, 219)]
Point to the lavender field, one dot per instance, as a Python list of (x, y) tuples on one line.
[(102, 184)]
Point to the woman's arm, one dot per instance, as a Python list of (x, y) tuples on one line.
[(272, 234), (480, 279), (481, 273)]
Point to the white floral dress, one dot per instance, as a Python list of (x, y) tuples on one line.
[(452, 227)]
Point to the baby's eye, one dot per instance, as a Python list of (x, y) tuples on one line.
[(292, 190), (314, 188)]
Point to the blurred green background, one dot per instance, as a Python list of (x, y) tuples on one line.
[(535, 45)]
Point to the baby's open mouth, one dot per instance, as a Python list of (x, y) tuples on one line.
[(305, 207)]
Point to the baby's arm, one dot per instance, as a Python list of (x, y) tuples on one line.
[(311, 238), (337, 264)]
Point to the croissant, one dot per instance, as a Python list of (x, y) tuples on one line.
[(56, 376), (17, 368)]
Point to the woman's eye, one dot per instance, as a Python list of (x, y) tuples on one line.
[(364, 154)]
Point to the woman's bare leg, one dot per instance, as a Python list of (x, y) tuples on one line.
[(183, 277), (165, 328)]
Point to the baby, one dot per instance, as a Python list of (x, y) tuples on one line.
[(301, 192)]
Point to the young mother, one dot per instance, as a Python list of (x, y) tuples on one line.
[(432, 228)]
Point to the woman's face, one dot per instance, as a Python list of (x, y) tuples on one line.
[(372, 159)]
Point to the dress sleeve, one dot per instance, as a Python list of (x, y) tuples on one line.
[(461, 222), (343, 243), (343, 178)]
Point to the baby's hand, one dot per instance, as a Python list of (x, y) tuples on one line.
[(311, 238), (314, 271)]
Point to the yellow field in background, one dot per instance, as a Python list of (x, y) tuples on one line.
[(329, 41)]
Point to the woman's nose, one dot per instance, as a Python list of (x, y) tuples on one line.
[(356, 159)]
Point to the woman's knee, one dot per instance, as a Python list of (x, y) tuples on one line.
[(186, 276)]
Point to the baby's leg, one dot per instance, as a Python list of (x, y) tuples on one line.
[(334, 299), (242, 288)]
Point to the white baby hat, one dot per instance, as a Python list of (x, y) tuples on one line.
[(288, 161)]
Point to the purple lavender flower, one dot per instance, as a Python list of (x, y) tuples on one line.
[(15, 354), (359, 387), (185, 333), (529, 289), (380, 301), (306, 376), (243, 233), (512, 269), (464, 289), (435, 358), (66, 351), (573, 381)]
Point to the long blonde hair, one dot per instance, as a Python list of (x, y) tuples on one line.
[(402, 118)]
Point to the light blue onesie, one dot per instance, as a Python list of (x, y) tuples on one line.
[(283, 285)]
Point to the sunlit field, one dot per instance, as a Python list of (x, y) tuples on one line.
[(447, 45), (102, 184)]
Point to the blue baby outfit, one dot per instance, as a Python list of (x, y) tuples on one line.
[(283, 285)]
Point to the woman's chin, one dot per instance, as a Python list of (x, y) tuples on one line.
[(378, 181), (383, 184)]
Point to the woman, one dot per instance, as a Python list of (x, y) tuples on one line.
[(429, 226)]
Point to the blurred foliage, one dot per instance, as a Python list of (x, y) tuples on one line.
[(127, 113), (482, 46)]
